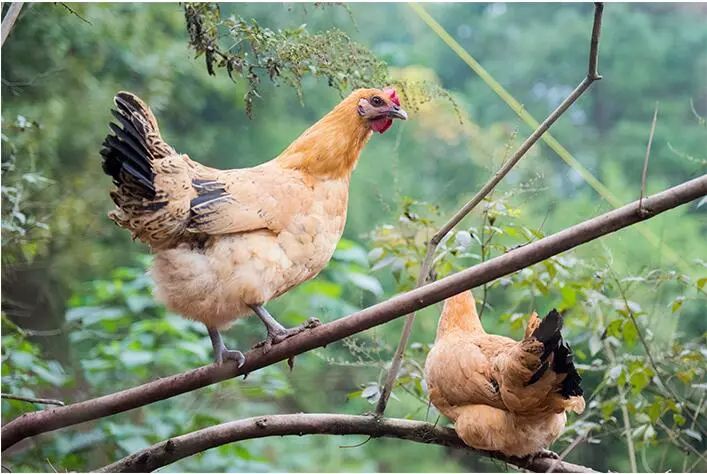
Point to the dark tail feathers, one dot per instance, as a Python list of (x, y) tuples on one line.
[(129, 151), (549, 333)]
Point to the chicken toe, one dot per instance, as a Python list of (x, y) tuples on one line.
[(544, 453), (221, 353), (276, 331)]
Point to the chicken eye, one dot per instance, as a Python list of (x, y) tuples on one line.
[(377, 101)]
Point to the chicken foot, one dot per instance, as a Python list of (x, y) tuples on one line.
[(221, 353), (276, 331)]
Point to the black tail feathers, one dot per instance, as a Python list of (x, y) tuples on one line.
[(127, 157), (549, 333)]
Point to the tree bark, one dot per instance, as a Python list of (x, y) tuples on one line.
[(31, 424), (13, 12), (174, 449)]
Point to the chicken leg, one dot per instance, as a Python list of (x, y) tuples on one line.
[(221, 352), (276, 331)]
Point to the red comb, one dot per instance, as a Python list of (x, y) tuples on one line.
[(393, 95)]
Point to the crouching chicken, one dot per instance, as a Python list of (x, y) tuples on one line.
[(501, 394), (228, 241)]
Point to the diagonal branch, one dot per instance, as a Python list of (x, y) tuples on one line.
[(31, 424), (13, 12), (174, 449), (425, 269)]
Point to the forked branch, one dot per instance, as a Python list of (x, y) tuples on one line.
[(426, 268), (31, 424)]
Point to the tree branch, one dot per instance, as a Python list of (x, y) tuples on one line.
[(30, 424), (41, 401), (174, 449), (9, 21), (592, 75)]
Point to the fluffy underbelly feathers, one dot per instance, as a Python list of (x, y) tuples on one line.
[(216, 284)]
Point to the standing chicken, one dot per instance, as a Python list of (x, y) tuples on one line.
[(502, 395), (228, 241)]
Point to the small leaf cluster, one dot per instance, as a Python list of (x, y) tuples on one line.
[(24, 223), (286, 55)]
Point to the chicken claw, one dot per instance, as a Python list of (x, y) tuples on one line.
[(221, 353), (276, 331), (543, 453)]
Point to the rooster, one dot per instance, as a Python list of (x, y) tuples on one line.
[(503, 395), (228, 241)]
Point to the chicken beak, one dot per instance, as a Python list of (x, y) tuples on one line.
[(397, 112)]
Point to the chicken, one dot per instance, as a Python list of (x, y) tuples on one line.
[(228, 241), (503, 395)]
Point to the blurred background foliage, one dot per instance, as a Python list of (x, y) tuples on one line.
[(78, 317)]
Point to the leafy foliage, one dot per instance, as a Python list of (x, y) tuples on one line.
[(24, 228), (79, 317), (286, 55)]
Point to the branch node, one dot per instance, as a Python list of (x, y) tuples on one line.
[(262, 423), (169, 446)]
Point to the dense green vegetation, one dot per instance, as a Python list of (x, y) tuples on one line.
[(78, 319)]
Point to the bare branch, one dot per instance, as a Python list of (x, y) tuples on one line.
[(592, 75), (41, 401), (174, 449), (75, 13), (31, 424), (592, 72), (9, 21), (648, 154)]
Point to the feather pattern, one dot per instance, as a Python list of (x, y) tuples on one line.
[(228, 239), (504, 395)]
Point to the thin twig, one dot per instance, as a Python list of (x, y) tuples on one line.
[(75, 13), (645, 161), (649, 354), (51, 465), (31, 424), (426, 267), (180, 447), (41, 401), (568, 450), (9, 21), (624, 412), (676, 437)]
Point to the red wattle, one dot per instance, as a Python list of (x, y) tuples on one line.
[(381, 125)]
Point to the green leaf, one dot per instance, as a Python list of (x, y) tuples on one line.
[(639, 380), (350, 251), (366, 282), (630, 333), (595, 344), (693, 434), (677, 303), (569, 296), (135, 358)]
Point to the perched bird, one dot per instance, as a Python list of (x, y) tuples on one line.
[(503, 395), (228, 241)]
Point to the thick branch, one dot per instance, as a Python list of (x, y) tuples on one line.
[(31, 424), (9, 21), (592, 75), (174, 449)]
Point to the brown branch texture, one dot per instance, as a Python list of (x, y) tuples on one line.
[(31, 424), (174, 449)]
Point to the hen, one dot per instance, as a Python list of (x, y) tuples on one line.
[(228, 241), (503, 395)]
